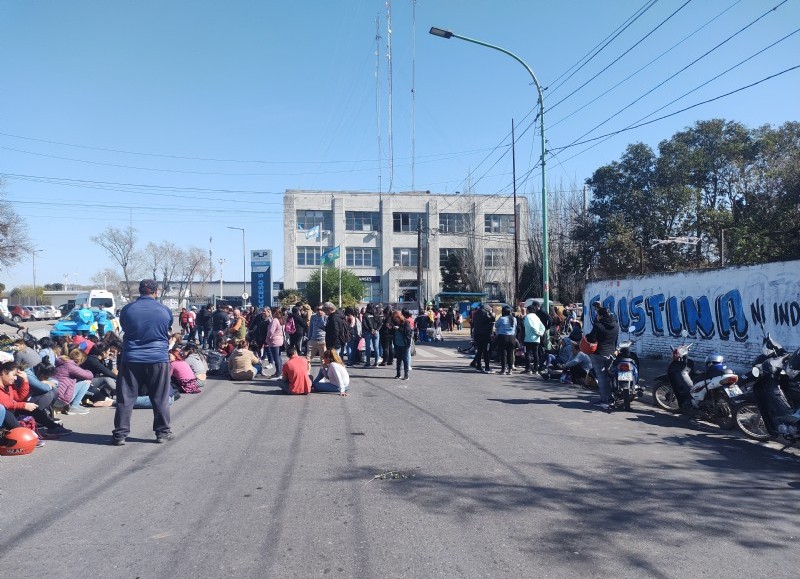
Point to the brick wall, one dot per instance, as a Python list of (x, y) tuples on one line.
[(723, 309)]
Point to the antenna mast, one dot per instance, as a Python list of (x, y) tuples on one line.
[(389, 61)]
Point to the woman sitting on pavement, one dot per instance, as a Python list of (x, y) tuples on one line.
[(181, 374), (73, 381), (104, 383), (243, 364), (333, 376), (193, 356), (43, 387), (14, 392), (46, 348)]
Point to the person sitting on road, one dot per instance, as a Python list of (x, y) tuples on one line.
[(333, 376), (47, 350), (181, 374), (43, 390), (193, 356), (577, 368), (295, 373), (243, 364), (25, 355), (14, 392), (104, 383), (73, 381)]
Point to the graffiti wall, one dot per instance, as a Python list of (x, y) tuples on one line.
[(723, 310)]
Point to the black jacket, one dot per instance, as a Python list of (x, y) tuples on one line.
[(203, 319), (219, 320), (483, 322), (605, 332), (96, 367), (336, 331)]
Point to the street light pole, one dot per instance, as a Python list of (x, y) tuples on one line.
[(221, 261), (441, 33), (33, 259), (244, 267)]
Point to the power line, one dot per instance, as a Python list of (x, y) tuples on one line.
[(695, 61), (613, 62)]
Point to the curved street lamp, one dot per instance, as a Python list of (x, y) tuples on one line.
[(441, 33)]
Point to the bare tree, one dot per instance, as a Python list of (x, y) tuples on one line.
[(152, 259), (195, 261), (109, 278), (120, 244), (474, 257), (172, 257), (14, 241)]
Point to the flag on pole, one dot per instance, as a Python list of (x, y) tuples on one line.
[(313, 232), (330, 256)]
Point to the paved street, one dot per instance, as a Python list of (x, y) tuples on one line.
[(452, 474)]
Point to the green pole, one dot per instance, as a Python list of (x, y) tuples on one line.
[(545, 250)]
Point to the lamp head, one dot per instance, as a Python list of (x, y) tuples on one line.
[(440, 32)]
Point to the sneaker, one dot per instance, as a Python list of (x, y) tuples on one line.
[(397, 377), (117, 441), (604, 406), (76, 411), (508, 372), (166, 437), (487, 371), (39, 443), (404, 378), (58, 431)]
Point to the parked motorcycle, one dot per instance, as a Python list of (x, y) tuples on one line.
[(624, 374), (765, 411), (707, 395)]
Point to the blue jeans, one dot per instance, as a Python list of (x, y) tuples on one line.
[(603, 380), (408, 354), (372, 345), (80, 391), (144, 402), (275, 354), (321, 383)]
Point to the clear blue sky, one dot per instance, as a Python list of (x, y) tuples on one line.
[(216, 108)]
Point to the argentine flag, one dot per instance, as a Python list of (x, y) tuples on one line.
[(313, 232)]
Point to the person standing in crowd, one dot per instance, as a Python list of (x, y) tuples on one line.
[(204, 325), (482, 326), (543, 340), (534, 330), (297, 337), (605, 333), (369, 330), (219, 324), (316, 334), (403, 336), (506, 330), (337, 332), (144, 362), (238, 329), (386, 333), (275, 340)]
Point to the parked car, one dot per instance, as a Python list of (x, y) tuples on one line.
[(39, 312), (54, 312), (19, 313)]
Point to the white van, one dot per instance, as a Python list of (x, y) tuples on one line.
[(97, 298)]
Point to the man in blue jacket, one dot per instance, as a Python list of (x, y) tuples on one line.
[(144, 362)]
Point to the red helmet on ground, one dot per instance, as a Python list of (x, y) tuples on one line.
[(587, 347), (18, 441)]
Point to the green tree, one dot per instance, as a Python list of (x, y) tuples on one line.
[(352, 287), (453, 278), (54, 287), (290, 297)]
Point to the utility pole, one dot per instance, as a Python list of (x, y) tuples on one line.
[(419, 266), (515, 293), (221, 261)]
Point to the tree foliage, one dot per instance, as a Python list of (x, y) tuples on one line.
[(352, 287), (716, 182), (14, 242)]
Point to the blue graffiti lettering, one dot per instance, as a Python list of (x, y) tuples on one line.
[(624, 314), (698, 317), (655, 308), (674, 317), (730, 316), (638, 315)]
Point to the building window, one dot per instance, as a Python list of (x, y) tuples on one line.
[(446, 252), (362, 220), (362, 257), (408, 222), (372, 292), (306, 219), (406, 257), (309, 256), (494, 257), (454, 222), (499, 223)]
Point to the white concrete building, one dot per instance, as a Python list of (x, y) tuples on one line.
[(379, 237)]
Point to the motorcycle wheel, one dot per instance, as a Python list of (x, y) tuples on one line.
[(748, 419), (664, 397), (725, 417)]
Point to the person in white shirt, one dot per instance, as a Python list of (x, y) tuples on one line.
[(333, 376), (534, 329)]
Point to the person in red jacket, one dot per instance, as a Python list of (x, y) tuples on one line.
[(14, 392)]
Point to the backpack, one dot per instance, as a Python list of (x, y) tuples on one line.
[(290, 326), (184, 317)]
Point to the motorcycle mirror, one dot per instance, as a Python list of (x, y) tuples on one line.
[(756, 371)]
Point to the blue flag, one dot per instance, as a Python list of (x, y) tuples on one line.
[(330, 256)]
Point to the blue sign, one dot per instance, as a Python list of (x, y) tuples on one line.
[(261, 277)]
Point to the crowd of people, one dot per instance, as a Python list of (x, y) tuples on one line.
[(72, 375)]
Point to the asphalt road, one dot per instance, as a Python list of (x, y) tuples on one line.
[(452, 474)]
